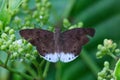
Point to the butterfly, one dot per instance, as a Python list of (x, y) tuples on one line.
[(64, 46)]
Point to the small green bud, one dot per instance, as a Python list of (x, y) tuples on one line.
[(117, 50), (38, 5), (25, 6), (112, 79), (43, 9), (29, 46), (42, 13), (100, 78), (9, 42), (99, 47), (50, 28), (12, 37), (48, 4), (80, 25), (103, 49), (114, 45), (66, 23), (72, 27), (27, 55), (17, 20), (27, 23), (106, 64), (99, 54), (3, 47), (11, 31), (15, 54), (11, 47), (102, 73), (4, 36), (20, 50), (108, 43), (35, 52), (35, 14), (7, 29)]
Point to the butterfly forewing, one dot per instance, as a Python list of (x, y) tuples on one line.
[(72, 42), (43, 40)]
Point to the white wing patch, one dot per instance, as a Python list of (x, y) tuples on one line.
[(63, 57), (51, 57), (67, 57)]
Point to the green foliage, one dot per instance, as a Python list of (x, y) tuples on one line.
[(108, 48), (106, 73), (117, 70), (23, 62)]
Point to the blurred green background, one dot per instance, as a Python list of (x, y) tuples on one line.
[(103, 15)]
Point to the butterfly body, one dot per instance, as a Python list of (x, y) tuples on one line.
[(63, 46)]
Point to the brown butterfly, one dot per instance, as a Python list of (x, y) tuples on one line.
[(63, 46)]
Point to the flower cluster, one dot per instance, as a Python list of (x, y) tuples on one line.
[(40, 13), (108, 48), (106, 73), (16, 49)]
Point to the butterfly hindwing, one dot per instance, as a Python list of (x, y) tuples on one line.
[(43, 40), (73, 40)]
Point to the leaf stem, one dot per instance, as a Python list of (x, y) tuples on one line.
[(46, 69), (7, 59), (113, 56)]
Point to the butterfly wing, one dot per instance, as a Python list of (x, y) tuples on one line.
[(72, 41), (44, 42)]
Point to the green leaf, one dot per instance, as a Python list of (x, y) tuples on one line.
[(13, 4), (117, 70), (5, 17), (3, 4)]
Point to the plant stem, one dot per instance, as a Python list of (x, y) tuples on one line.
[(31, 71), (40, 69), (42, 63), (46, 69), (6, 61), (113, 56), (58, 70)]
